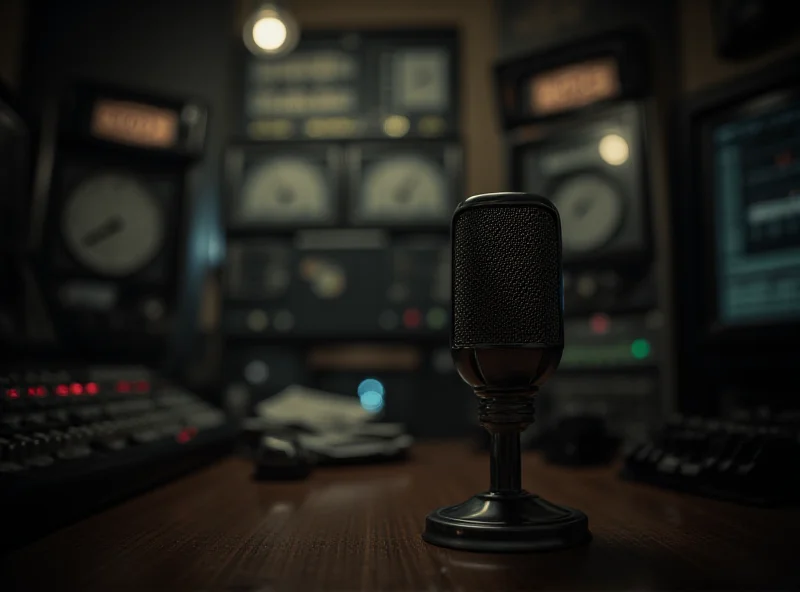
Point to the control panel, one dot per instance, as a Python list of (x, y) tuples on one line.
[(304, 288)]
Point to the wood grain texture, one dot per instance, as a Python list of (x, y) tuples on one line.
[(359, 528)]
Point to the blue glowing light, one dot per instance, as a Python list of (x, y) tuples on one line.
[(372, 401), (371, 385), (371, 392)]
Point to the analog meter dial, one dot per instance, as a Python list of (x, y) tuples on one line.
[(591, 211), (286, 190), (404, 189), (113, 225)]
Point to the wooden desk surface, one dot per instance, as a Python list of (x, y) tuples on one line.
[(358, 528)]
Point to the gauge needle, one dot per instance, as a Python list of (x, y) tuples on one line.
[(104, 231), (405, 189)]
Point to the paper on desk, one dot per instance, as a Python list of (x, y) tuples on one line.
[(314, 409), (342, 446)]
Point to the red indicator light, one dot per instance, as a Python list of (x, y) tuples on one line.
[(91, 388), (76, 389), (600, 324), (31, 391), (141, 386), (185, 435), (41, 391), (123, 386), (62, 390), (412, 318), (12, 393)]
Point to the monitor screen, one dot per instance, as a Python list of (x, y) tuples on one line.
[(755, 160)]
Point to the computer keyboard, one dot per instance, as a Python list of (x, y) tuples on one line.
[(74, 441), (747, 460)]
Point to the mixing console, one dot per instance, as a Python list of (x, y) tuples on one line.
[(73, 441)]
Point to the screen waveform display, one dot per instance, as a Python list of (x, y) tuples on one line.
[(756, 160)]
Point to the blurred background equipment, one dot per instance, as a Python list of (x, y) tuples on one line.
[(114, 232), (577, 122), (341, 180)]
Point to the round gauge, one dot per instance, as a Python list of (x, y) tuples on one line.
[(404, 188), (113, 225), (285, 190), (591, 212)]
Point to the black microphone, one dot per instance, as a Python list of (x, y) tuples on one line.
[(507, 337)]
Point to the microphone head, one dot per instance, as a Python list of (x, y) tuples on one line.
[(507, 288)]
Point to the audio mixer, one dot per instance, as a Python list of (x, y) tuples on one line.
[(74, 440)]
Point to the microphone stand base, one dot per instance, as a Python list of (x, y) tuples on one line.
[(506, 523)]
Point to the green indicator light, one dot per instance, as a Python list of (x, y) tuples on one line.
[(640, 349), (437, 318)]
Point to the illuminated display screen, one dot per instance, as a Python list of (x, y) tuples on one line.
[(574, 86), (135, 124), (756, 191)]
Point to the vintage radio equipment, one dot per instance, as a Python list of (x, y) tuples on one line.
[(318, 286), (339, 240), (576, 119), (115, 202), (351, 84)]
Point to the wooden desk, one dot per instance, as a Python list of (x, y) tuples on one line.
[(359, 528)]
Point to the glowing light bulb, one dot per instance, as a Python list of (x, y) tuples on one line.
[(269, 33)]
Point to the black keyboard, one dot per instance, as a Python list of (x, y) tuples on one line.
[(750, 461), (73, 442)]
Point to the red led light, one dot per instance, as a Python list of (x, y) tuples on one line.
[(62, 390), (185, 435), (12, 393), (91, 388), (123, 386), (600, 324), (141, 386), (412, 318), (76, 388), (36, 391)]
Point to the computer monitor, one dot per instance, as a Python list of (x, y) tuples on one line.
[(736, 238), (754, 177)]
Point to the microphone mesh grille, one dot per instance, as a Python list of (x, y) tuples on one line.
[(506, 277)]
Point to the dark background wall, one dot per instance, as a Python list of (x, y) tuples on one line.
[(11, 34), (178, 47)]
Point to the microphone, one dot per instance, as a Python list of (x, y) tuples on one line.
[(506, 338)]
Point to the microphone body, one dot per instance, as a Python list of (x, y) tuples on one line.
[(507, 338), (507, 332)]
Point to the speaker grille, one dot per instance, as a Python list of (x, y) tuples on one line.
[(506, 277)]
